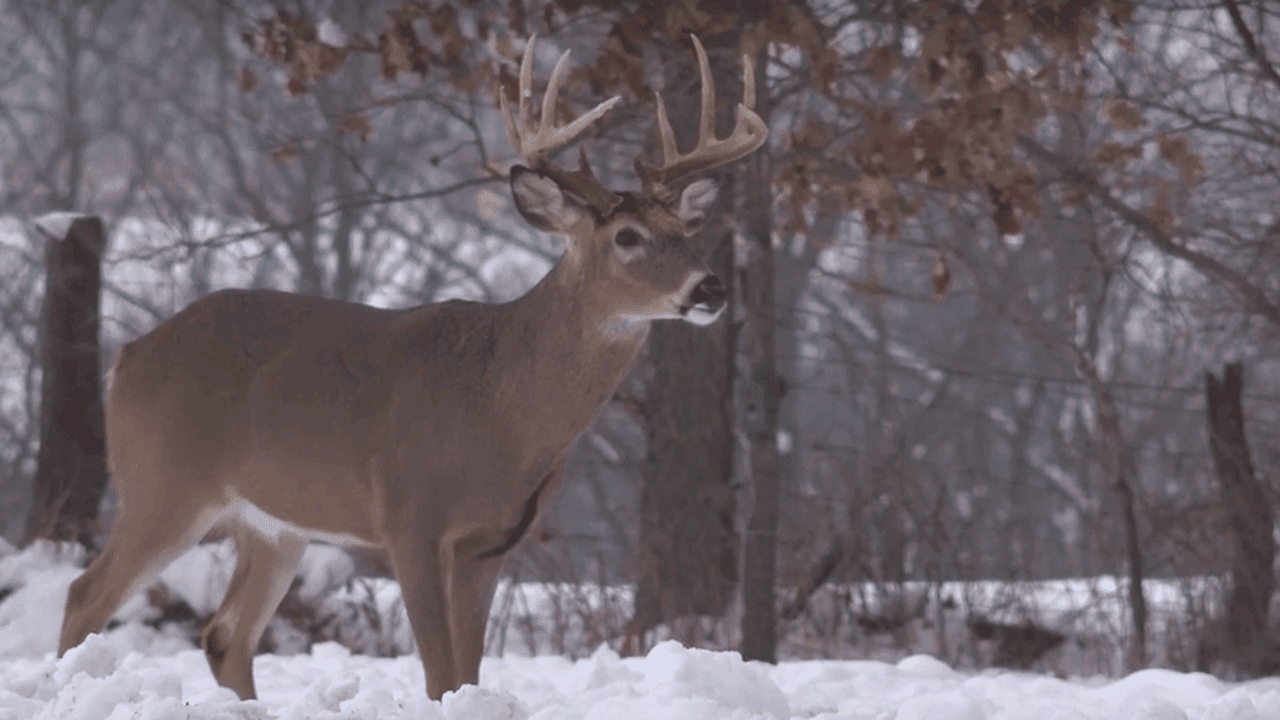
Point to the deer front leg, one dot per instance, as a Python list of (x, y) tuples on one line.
[(470, 597), (415, 557), (474, 564)]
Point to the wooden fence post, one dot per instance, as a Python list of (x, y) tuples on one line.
[(1247, 643), (71, 473)]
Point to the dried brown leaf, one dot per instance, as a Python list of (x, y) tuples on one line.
[(445, 28), (872, 219), (870, 286), (1119, 12), (309, 60), (284, 152), (402, 51), (1114, 153), (1006, 219), (882, 62), (787, 24), (479, 78), (1017, 28), (1176, 150), (331, 59), (876, 189), (813, 134), (941, 278), (1003, 213), (356, 123), (505, 48), (1074, 196), (1123, 115), (1163, 218), (516, 18)]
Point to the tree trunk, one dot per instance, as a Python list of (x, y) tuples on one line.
[(762, 389), (687, 560), (71, 473), (1249, 514)]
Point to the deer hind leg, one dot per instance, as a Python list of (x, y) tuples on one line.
[(146, 537), (265, 569), (416, 558)]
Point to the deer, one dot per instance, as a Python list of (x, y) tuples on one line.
[(438, 433)]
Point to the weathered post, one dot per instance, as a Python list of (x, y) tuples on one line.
[(1250, 517), (71, 472)]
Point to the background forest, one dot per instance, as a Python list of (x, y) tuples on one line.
[(980, 272)]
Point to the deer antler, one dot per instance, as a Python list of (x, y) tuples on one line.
[(536, 144), (749, 133)]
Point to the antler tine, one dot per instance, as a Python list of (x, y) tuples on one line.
[(749, 132), (549, 97), (532, 143), (664, 130), (535, 144), (526, 85), (524, 91), (707, 117)]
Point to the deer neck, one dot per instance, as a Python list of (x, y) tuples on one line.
[(569, 318), (576, 352)]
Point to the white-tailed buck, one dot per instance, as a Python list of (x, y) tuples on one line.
[(438, 433)]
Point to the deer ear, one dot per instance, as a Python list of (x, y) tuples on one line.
[(696, 201), (543, 203)]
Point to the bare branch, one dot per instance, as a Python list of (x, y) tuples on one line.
[(1252, 297), (1250, 44)]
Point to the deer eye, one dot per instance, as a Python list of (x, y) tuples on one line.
[(627, 238)]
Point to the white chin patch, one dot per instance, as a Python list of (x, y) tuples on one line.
[(699, 315)]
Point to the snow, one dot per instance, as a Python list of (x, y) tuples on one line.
[(136, 671), (331, 34), (58, 224)]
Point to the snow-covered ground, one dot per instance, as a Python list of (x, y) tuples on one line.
[(135, 671)]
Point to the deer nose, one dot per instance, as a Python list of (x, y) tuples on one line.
[(710, 292)]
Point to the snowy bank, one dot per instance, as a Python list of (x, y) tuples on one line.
[(137, 671), (132, 673)]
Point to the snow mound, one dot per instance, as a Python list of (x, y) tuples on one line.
[(925, 666), (36, 580), (471, 701), (696, 679)]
